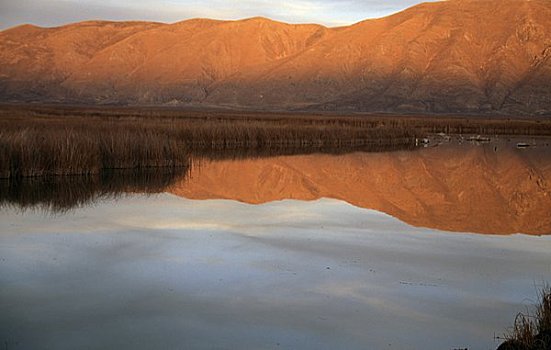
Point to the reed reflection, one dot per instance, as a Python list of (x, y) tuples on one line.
[(59, 194)]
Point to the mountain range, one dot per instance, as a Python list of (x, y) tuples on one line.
[(456, 56)]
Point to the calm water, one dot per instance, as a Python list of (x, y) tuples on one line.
[(437, 248)]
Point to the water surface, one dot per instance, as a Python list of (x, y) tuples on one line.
[(308, 251), (492, 187)]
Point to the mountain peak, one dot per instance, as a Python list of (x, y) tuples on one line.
[(455, 56), (257, 19)]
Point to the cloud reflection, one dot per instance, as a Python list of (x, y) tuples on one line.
[(174, 273)]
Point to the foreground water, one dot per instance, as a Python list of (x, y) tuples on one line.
[(213, 262)]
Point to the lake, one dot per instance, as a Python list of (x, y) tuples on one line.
[(433, 248)]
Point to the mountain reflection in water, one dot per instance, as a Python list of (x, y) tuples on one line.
[(470, 187)]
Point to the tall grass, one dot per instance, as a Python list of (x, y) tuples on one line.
[(61, 140), (42, 149), (532, 331), (453, 124), (39, 146)]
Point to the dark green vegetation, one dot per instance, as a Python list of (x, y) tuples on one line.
[(532, 331), (61, 140)]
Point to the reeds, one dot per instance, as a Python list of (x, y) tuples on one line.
[(452, 124), (42, 146), (62, 140), (532, 331)]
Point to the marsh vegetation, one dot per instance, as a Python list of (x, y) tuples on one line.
[(45, 141), (532, 330)]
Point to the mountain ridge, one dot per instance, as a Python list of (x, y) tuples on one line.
[(459, 56)]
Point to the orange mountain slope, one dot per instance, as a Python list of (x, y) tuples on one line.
[(475, 56)]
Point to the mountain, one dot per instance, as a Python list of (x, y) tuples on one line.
[(485, 189), (464, 56)]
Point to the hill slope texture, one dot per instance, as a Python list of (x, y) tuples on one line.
[(464, 56)]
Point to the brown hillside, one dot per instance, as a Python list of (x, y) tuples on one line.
[(470, 56)]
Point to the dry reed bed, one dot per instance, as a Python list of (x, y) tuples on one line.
[(423, 124), (63, 140), (51, 149), (532, 331), (66, 145)]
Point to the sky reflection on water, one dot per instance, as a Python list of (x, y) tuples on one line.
[(167, 272)]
